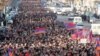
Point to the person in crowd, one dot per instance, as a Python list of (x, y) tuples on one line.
[(23, 39)]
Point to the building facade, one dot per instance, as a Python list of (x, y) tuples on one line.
[(4, 3)]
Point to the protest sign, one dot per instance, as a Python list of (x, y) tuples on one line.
[(83, 41)]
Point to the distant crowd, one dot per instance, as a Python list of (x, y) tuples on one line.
[(21, 40)]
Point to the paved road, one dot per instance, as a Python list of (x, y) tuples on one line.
[(64, 19)]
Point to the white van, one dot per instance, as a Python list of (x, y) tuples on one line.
[(76, 20), (95, 29)]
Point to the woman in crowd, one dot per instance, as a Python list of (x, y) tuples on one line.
[(21, 38)]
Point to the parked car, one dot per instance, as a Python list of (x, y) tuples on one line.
[(76, 20), (80, 26), (53, 15), (95, 29)]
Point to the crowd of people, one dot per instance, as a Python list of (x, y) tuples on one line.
[(21, 40)]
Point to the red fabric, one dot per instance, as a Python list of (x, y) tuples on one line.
[(97, 51), (71, 24), (27, 54), (39, 30), (11, 54), (20, 54), (79, 34), (74, 36)]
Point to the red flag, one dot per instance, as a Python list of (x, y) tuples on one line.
[(74, 36), (79, 33), (70, 25), (40, 30), (27, 54)]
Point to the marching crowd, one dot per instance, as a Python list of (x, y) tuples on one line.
[(22, 40)]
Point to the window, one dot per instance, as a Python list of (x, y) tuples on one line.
[(0, 23), (70, 19), (80, 25)]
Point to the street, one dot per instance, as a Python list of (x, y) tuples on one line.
[(65, 20)]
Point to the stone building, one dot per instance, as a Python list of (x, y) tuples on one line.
[(4, 3)]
